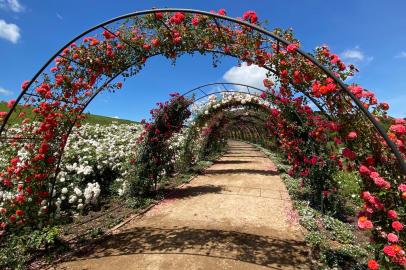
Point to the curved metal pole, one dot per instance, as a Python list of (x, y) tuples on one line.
[(307, 56)]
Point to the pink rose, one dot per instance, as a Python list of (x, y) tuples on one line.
[(374, 175), (352, 135), (393, 238), (11, 103), (292, 47), (364, 223), (364, 170)]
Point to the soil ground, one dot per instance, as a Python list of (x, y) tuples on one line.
[(236, 215)]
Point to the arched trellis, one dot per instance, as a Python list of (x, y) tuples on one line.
[(241, 89), (238, 113), (250, 127), (245, 90), (248, 89), (215, 19)]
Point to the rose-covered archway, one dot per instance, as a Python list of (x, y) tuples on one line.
[(61, 90)]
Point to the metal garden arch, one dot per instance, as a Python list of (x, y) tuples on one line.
[(215, 18)]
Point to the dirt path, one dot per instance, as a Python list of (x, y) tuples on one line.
[(236, 216)]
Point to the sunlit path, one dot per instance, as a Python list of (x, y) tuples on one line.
[(234, 216)]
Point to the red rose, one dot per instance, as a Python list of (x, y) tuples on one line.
[(392, 250), (392, 214), (195, 21), (222, 12), (158, 15), (384, 106), (12, 218), (313, 160), (250, 16), (373, 265), (399, 129), (397, 226), (19, 212), (108, 35), (155, 42), (177, 18), (349, 154), (370, 160)]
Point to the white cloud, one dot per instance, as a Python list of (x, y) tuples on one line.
[(12, 5), (116, 117), (59, 16), (252, 75), (4, 91), (357, 55), (401, 55), (9, 31)]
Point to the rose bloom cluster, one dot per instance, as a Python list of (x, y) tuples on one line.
[(215, 102)]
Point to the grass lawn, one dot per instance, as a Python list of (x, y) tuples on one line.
[(90, 118)]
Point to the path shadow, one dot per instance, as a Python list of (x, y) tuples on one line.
[(241, 171), (231, 161), (191, 191), (245, 156), (243, 149), (250, 248)]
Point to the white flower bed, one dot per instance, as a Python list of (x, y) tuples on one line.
[(92, 152)]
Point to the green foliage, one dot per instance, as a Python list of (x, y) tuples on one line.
[(95, 232), (338, 230), (315, 239), (349, 186), (17, 250)]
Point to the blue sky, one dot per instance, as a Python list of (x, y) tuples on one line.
[(369, 33)]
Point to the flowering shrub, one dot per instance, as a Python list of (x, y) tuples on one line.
[(154, 158)]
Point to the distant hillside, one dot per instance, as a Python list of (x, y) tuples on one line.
[(90, 118)]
